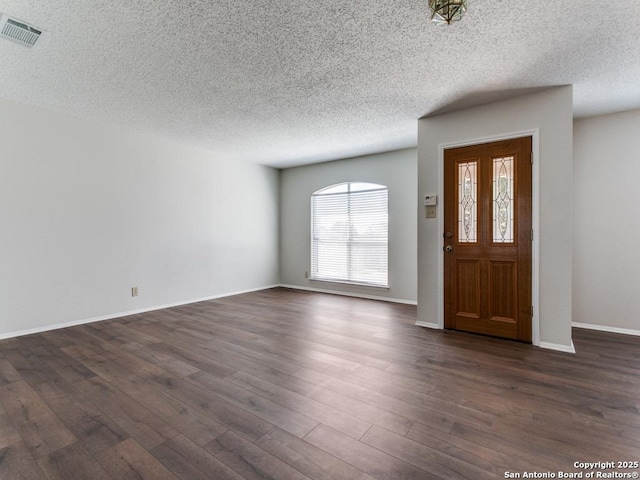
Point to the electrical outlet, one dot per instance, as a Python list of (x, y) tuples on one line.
[(134, 291)]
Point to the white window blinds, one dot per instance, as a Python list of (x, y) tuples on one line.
[(349, 234)]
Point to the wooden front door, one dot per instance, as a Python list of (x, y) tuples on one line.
[(487, 239)]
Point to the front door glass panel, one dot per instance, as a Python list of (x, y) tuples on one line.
[(468, 202), (503, 199)]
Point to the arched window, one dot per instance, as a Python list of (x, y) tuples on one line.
[(349, 234)]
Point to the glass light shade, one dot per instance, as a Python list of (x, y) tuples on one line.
[(443, 12)]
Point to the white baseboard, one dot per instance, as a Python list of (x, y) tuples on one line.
[(557, 347), (349, 294), (73, 323), (434, 326), (605, 328)]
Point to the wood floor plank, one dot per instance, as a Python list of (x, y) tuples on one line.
[(141, 424), (310, 385), (398, 405), (28, 369), (163, 360), (70, 463), (250, 461), (274, 413), (308, 459), (55, 387), (437, 462), (132, 336), (63, 365), (313, 359), (486, 457), (188, 461), (38, 426), (17, 463), (448, 401), (307, 340), (317, 411), (202, 354), (128, 460), (91, 427), (198, 361), (179, 415), (355, 406), (511, 443), (8, 374), (215, 407), (370, 460), (235, 353), (109, 365), (8, 433)]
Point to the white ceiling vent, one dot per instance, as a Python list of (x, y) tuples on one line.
[(18, 31)]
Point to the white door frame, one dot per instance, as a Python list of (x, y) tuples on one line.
[(535, 221)]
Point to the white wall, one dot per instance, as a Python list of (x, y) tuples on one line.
[(550, 113), (87, 212), (397, 170), (606, 222)]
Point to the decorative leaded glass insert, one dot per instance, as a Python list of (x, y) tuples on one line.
[(468, 202), (503, 199)]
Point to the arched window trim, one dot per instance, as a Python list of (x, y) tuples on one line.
[(351, 187)]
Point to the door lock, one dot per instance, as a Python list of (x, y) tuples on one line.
[(448, 248)]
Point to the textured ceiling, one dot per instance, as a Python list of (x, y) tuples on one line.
[(289, 82)]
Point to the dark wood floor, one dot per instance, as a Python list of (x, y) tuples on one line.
[(285, 385)]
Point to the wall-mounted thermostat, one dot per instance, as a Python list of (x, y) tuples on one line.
[(430, 203), (430, 200)]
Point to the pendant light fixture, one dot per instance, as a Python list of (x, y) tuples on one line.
[(444, 12)]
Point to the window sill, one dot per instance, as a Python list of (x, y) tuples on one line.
[(353, 284)]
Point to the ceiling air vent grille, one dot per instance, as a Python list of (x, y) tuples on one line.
[(18, 31)]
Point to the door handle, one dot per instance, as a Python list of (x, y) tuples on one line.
[(448, 248)]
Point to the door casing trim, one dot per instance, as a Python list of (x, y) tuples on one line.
[(535, 221)]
